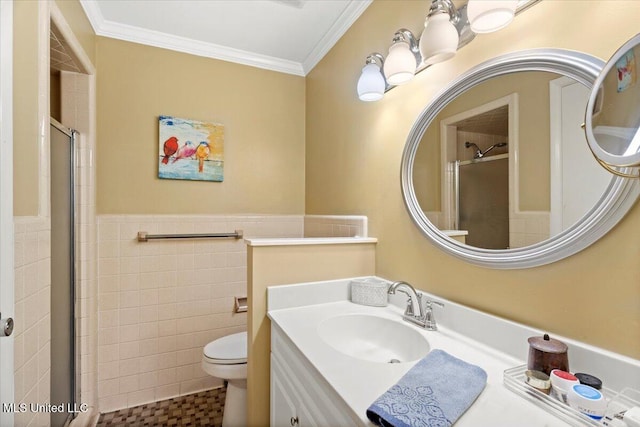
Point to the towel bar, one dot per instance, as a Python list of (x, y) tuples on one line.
[(144, 237)]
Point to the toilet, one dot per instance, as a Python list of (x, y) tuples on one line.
[(226, 358)]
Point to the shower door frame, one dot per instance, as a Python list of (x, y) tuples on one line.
[(72, 134), (448, 157), (456, 179)]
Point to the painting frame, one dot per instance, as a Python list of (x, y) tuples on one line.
[(190, 149)]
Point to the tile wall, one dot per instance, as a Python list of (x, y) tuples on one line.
[(32, 333), (335, 226), (527, 228), (161, 301)]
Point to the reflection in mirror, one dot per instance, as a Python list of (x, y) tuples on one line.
[(506, 162), (614, 203), (613, 127)]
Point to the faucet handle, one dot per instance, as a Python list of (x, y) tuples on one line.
[(429, 317), (409, 309), (428, 303)]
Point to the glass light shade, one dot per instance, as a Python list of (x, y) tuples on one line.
[(400, 65), (371, 84), (486, 16), (439, 40)]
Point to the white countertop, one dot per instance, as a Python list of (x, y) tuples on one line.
[(298, 310), (454, 233), (290, 241), (359, 382)]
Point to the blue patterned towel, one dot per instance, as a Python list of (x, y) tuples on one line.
[(434, 393)]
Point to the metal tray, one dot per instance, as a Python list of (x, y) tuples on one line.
[(514, 380)]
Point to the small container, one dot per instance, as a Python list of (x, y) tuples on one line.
[(632, 417), (369, 291), (547, 354), (587, 400), (538, 380), (590, 380), (561, 383)]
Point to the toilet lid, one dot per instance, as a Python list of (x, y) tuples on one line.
[(229, 349)]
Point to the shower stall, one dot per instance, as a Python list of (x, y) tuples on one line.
[(63, 349), (482, 199)]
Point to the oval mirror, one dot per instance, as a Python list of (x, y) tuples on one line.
[(493, 173), (612, 121)]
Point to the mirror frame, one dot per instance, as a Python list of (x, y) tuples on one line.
[(616, 201), (610, 160)]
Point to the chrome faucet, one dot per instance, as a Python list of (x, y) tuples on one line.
[(414, 309), (415, 312)]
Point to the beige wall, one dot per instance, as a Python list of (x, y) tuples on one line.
[(263, 115), (279, 265), (25, 108), (592, 296)]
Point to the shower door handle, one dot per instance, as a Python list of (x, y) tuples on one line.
[(6, 326)]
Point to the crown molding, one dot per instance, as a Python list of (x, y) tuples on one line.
[(130, 33), (337, 30)]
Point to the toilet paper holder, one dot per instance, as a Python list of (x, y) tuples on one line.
[(240, 305)]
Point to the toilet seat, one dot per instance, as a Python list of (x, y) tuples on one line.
[(228, 350)]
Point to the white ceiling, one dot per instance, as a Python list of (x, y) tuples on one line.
[(289, 36)]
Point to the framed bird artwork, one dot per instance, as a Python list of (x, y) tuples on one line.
[(190, 150)]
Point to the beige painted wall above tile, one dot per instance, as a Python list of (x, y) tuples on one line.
[(25, 108), (263, 113)]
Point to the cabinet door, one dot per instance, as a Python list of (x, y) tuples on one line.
[(314, 405), (305, 417), (283, 406)]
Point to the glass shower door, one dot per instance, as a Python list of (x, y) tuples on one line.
[(62, 273), (483, 201)]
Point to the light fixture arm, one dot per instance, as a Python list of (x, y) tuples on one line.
[(445, 6), (407, 36), (375, 58)]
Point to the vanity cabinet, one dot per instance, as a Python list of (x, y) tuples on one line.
[(300, 397), (288, 406)]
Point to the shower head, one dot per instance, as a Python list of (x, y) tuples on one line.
[(469, 144), (478, 152)]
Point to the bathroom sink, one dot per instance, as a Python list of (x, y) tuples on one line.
[(373, 338)]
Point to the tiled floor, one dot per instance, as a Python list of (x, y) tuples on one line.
[(200, 409)]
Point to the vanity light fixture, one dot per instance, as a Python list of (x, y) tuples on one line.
[(404, 57), (371, 85), (439, 40), (486, 16), (446, 29)]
